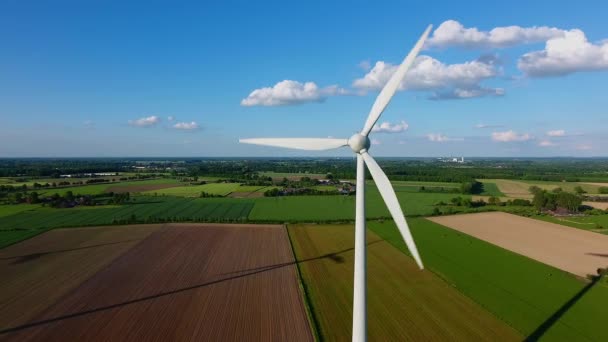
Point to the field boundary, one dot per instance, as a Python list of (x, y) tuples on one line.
[(312, 317)]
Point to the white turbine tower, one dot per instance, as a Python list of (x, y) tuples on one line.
[(360, 144)]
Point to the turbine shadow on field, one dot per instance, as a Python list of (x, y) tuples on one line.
[(333, 256), (18, 259), (598, 254), (547, 324)]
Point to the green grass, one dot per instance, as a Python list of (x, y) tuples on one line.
[(490, 189), (327, 208), (522, 292), (249, 188), (597, 223), (289, 175), (221, 189), (11, 209), (29, 223)]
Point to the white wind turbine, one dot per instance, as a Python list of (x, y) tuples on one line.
[(360, 144)]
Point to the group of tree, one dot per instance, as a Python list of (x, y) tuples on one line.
[(557, 198)]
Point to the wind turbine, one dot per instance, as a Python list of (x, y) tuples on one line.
[(360, 145)]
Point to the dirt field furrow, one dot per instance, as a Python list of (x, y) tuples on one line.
[(186, 282), (573, 250)]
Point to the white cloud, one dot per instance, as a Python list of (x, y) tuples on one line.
[(145, 122), (438, 137), (387, 127), (556, 133), (460, 94), (289, 92), (481, 126), (565, 55), (584, 147), (453, 33), (546, 143), (365, 65), (170, 118), (376, 142), (186, 126), (459, 80), (509, 136)]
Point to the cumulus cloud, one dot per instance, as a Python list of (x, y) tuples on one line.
[(145, 122), (427, 73), (565, 55), (509, 136), (556, 133), (186, 126), (546, 143), (482, 126), (438, 137), (290, 92), (453, 33), (387, 127)]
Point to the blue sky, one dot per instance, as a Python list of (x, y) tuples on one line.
[(105, 78)]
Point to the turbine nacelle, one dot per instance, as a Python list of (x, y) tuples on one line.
[(359, 143)]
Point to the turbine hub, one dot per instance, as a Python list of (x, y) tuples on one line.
[(358, 143)]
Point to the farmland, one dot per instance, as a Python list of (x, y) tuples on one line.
[(220, 189), (147, 209), (179, 282), (571, 250), (534, 298), (404, 302), (595, 223)]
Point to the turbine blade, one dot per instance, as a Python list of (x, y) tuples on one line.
[(311, 144), (390, 198), (391, 86)]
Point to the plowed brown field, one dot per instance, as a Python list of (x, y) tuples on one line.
[(182, 282)]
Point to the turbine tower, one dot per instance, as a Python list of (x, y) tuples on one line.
[(360, 145)]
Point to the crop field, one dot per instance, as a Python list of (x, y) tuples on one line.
[(181, 281), (319, 208), (221, 189), (7, 210), (34, 273), (291, 176), (595, 223), (538, 300), (520, 188), (404, 303), (491, 189), (597, 205), (23, 225), (572, 250), (94, 189)]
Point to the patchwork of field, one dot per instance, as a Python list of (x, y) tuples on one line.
[(220, 189), (181, 282), (291, 176), (576, 251), (520, 188), (319, 208), (540, 301), (22, 225), (404, 303), (128, 186)]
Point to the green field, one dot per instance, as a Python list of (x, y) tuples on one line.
[(326, 208), (22, 225), (526, 294), (289, 175), (10, 209), (597, 223), (221, 189), (404, 304), (94, 189), (490, 189)]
